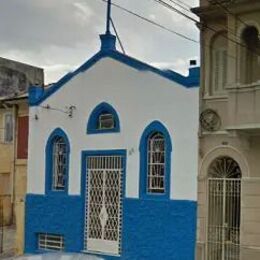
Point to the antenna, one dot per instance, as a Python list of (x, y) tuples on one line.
[(108, 16)]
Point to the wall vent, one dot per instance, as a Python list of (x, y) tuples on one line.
[(50, 242)]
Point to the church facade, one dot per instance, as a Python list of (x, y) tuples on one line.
[(228, 224), (113, 161)]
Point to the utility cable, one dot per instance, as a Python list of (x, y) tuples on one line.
[(117, 35), (180, 5), (202, 24), (162, 27), (153, 22)]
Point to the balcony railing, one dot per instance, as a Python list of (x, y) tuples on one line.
[(244, 107)]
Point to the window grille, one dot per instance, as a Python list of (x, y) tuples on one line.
[(106, 121), (8, 128), (60, 158), (156, 163), (51, 242)]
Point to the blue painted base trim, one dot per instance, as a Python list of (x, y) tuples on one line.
[(152, 229), (54, 214)]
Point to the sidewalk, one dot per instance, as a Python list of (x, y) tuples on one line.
[(8, 243)]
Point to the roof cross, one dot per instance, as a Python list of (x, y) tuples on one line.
[(108, 16)]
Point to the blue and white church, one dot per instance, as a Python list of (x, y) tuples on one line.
[(113, 160)]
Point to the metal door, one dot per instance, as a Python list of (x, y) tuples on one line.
[(224, 189), (104, 204)]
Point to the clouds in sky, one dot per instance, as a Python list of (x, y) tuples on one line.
[(59, 35)]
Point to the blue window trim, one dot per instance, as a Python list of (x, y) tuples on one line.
[(155, 126), (58, 132), (94, 116), (84, 156)]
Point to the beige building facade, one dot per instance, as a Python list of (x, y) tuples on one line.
[(15, 79), (228, 221)]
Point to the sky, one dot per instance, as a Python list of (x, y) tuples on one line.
[(60, 35)]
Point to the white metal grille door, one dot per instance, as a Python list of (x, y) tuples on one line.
[(104, 204), (224, 189)]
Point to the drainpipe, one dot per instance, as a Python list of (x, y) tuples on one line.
[(13, 197)]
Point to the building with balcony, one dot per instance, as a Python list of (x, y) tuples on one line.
[(228, 225)]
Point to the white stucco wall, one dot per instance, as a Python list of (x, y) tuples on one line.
[(139, 98)]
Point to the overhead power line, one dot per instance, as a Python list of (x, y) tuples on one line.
[(183, 3), (189, 10), (154, 23), (164, 27), (228, 11), (225, 8), (180, 4), (117, 35), (170, 7)]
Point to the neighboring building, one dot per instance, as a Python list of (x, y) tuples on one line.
[(15, 79), (229, 140), (113, 160)]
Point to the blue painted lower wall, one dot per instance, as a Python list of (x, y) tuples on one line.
[(56, 215), (156, 229), (152, 229)]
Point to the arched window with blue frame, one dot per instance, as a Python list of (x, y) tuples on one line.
[(103, 119), (57, 162), (155, 161)]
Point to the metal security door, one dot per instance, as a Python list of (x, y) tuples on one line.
[(223, 233), (104, 204)]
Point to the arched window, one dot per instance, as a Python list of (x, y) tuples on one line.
[(155, 161), (103, 119), (219, 64), (57, 162), (250, 55)]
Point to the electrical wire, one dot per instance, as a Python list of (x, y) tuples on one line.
[(47, 107), (189, 10), (117, 35), (161, 26), (153, 22), (185, 4), (180, 5), (170, 7), (228, 11)]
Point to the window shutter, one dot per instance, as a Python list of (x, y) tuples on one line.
[(220, 70), (22, 137), (216, 70), (8, 128), (224, 68)]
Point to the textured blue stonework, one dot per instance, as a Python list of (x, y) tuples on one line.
[(152, 229), (156, 229), (56, 215)]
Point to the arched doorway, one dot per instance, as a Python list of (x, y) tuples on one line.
[(224, 209)]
